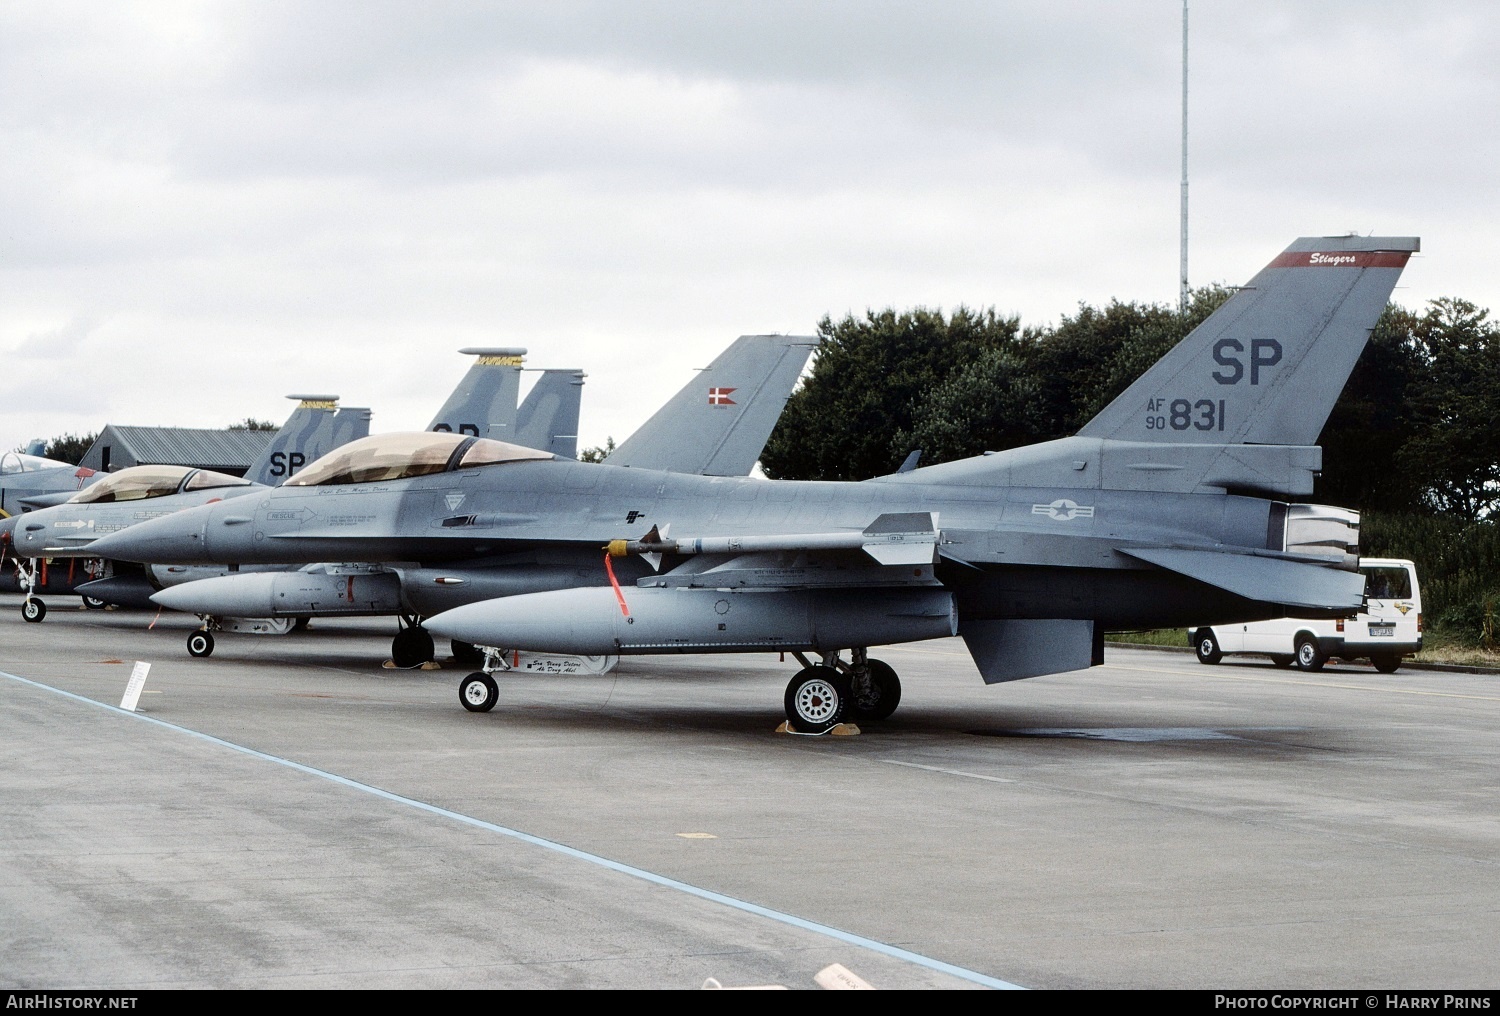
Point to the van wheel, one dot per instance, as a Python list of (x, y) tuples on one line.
[(1309, 656), (1283, 659), (1386, 663), (1207, 646)]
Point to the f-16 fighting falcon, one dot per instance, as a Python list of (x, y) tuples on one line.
[(1169, 508), (111, 501), (484, 402), (690, 434)]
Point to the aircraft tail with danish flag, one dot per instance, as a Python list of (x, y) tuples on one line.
[(719, 424)]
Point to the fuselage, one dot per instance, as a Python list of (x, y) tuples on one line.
[(1013, 552)]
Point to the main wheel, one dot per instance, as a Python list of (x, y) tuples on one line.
[(478, 692), (466, 653), (880, 699), (301, 623), (1206, 645), (816, 699), (1309, 656), (94, 603), (1283, 660), (33, 610), (411, 647), (1386, 663), (201, 643)]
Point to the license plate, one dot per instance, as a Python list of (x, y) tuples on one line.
[(1385, 630)]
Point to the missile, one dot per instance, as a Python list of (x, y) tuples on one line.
[(894, 538), (602, 620)]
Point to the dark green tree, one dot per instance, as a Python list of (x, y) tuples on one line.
[(1452, 451), (868, 383), (1371, 421), (70, 447), (251, 423), (598, 454)]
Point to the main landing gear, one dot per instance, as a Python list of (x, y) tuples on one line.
[(412, 645), (822, 695)]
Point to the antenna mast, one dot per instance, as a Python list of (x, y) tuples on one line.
[(1182, 296)]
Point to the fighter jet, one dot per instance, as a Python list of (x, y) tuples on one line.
[(26, 476), (716, 425), (114, 500), (1171, 507), (484, 402)]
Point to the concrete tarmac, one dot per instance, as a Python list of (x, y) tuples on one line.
[(287, 813)]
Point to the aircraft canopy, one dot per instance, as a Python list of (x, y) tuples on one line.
[(140, 482), (20, 462), (383, 457)]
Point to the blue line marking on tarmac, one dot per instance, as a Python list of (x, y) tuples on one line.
[(582, 855)]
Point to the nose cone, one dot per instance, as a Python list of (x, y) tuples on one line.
[(247, 595), (172, 539), (50, 532)]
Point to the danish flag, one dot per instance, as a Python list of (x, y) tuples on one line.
[(720, 397)]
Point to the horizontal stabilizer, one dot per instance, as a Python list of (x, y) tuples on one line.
[(1010, 650), (1267, 579)]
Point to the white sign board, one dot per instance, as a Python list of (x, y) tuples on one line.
[(137, 682)]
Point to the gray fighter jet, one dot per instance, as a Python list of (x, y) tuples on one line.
[(1171, 507), (112, 501), (484, 402), (717, 424)]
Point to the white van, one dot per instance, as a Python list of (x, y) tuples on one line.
[(1389, 627)]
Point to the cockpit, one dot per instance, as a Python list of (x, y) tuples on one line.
[(140, 482), (20, 462), (383, 457)]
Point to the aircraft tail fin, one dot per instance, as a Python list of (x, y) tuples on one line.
[(548, 419), (316, 427), (484, 403), (1268, 365), (719, 424), (1239, 403)]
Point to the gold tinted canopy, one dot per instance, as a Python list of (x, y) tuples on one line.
[(140, 482), (383, 457)]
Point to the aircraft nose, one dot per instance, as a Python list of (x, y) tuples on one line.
[(178, 538)]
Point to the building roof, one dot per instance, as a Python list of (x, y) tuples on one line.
[(182, 446)]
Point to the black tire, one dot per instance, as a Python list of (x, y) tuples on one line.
[(1206, 646), (94, 603), (816, 699), (478, 692), (301, 623), (1309, 656), (412, 647), (1283, 660), (200, 644), (883, 697), (33, 611), (1386, 663), (466, 653)]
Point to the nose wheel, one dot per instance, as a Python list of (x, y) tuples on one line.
[(201, 644), (33, 611), (478, 692)]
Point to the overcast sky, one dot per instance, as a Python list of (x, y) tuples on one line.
[(207, 206)]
